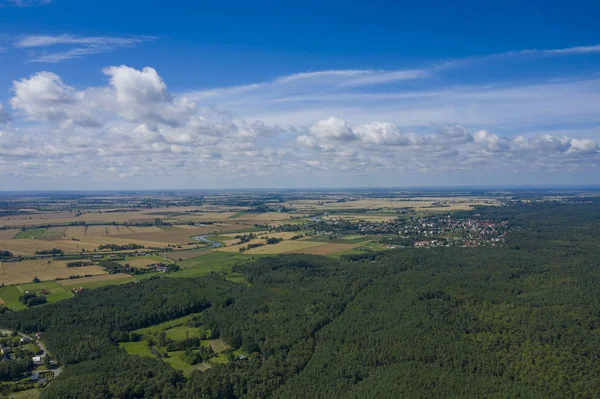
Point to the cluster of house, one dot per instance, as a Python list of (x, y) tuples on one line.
[(11, 347), (430, 231)]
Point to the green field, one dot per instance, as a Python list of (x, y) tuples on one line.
[(137, 348), (237, 215), (156, 328), (10, 294), (178, 363), (180, 332), (30, 394), (215, 261), (31, 233), (10, 297), (96, 284), (350, 239)]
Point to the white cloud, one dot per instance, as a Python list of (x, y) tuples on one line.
[(332, 129), (135, 129), (45, 97), (4, 116), (77, 46), (24, 3)]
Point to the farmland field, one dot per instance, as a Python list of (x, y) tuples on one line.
[(29, 246), (24, 271), (31, 233), (282, 247), (7, 234), (54, 232)]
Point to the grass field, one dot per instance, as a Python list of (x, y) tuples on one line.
[(31, 233), (325, 249), (137, 348), (211, 261), (29, 394), (178, 333), (177, 330), (97, 281), (10, 294), (54, 232), (282, 247)]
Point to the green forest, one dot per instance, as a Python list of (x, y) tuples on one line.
[(518, 320)]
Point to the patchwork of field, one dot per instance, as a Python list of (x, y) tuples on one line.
[(26, 270), (29, 246), (180, 236), (54, 232), (423, 203)]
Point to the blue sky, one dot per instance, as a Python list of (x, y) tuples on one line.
[(263, 94)]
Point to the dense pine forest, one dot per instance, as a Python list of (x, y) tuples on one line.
[(519, 320)]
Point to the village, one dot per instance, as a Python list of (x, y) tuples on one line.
[(425, 231), (25, 363)]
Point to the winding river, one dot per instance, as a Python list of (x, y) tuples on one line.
[(204, 239)]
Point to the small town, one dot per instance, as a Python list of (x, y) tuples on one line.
[(427, 231)]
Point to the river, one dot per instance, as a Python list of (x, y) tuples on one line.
[(204, 239)]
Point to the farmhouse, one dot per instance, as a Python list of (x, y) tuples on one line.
[(37, 360)]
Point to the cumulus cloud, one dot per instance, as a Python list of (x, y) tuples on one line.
[(134, 127), (143, 96), (45, 97)]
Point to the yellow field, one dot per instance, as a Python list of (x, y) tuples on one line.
[(108, 230), (75, 231), (83, 280), (185, 226), (98, 240), (8, 233), (205, 216), (25, 271), (145, 229), (267, 216)]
